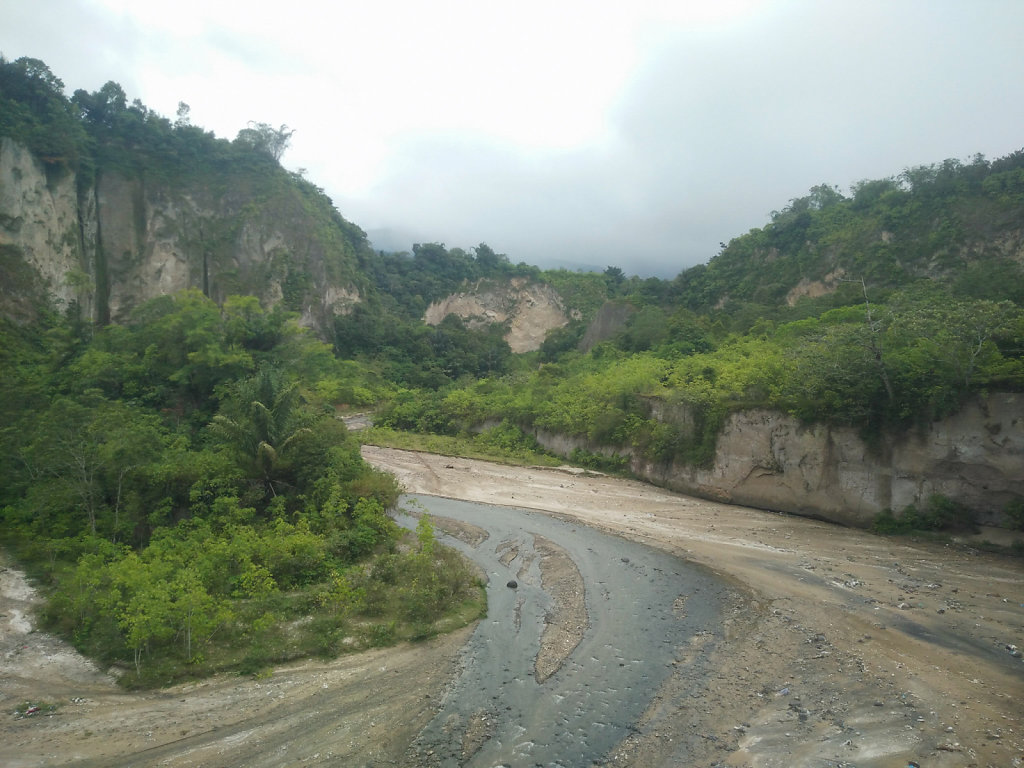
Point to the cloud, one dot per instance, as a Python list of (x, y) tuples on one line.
[(637, 134), (720, 125)]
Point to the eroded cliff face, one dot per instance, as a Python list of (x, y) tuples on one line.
[(769, 460), (530, 309), (40, 237), (127, 240)]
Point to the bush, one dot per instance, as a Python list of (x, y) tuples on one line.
[(1014, 514), (940, 514), (599, 462), (382, 635), (945, 514)]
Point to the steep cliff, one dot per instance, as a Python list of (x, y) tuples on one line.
[(131, 236), (530, 309), (40, 236), (770, 460)]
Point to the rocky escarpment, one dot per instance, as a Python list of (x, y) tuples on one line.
[(40, 236), (770, 460), (124, 238), (530, 310)]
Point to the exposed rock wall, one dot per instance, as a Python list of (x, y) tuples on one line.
[(530, 309), (126, 240), (769, 460), (611, 319), (40, 237)]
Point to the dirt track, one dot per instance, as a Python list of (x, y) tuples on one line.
[(844, 649)]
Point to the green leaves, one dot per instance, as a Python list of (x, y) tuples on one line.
[(262, 418), (265, 139)]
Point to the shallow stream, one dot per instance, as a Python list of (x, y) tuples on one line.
[(644, 606)]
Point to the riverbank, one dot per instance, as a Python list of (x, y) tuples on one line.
[(840, 648), (846, 648)]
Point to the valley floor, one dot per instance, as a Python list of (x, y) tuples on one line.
[(841, 648)]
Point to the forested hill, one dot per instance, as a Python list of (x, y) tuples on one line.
[(879, 311), (107, 204), (957, 223)]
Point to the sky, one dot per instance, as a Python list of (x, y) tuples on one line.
[(563, 133)]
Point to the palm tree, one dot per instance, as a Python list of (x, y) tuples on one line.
[(260, 422)]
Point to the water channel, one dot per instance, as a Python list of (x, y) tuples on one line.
[(644, 606)]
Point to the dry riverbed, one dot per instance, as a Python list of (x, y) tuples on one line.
[(844, 648), (839, 649)]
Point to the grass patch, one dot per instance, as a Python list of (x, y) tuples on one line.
[(481, 446)]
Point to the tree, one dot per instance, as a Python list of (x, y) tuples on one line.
[(145, 607), (874, 342), (184, 115), (614, 278), (960, 335), (82, 457), (35, 112), (265, 139), (103, 107), (489, 262), (261, 420), (194, 609)]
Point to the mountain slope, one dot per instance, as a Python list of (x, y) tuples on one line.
[(105, 205), (960, 224)]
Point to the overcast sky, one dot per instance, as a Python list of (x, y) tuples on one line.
[(582, 133)]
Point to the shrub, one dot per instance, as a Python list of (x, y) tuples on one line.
[(1014, 513), (940, 514)]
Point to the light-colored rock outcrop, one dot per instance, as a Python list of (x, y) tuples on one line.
[(770, 460), (39, 232), (530, 309), (125, 240)]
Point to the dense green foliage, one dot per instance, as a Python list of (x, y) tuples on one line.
[(180, 484), (941, 222), (184, 490), (920, 310), (34, 112)]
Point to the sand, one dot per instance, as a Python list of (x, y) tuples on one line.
[(840, 648)]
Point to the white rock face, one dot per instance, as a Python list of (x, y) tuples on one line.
[(531, 309), (129, 240), (769, 460), (39, 218), (142, 244)]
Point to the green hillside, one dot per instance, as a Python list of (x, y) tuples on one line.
[(883, 311), (177, 478)]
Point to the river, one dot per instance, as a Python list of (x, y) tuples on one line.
[(644, 607)]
